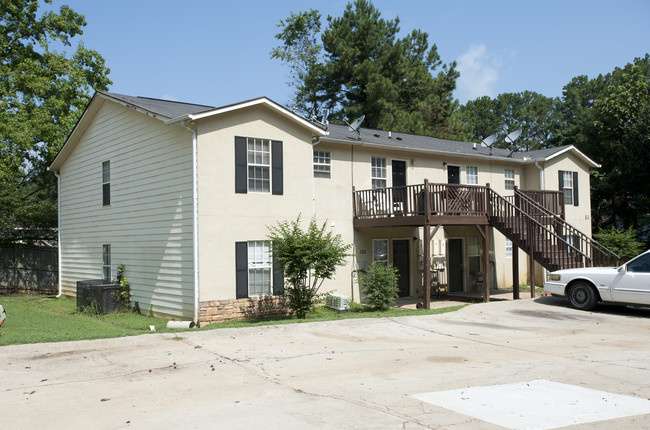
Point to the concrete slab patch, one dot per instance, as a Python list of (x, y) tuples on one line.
[(537, 405)]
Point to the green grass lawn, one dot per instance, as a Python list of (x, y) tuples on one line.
[(34, 319)]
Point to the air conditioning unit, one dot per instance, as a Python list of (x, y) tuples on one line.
[(98, 293), (338, 302)]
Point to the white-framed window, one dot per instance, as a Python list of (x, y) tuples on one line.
[(259, 269), (567, 187), (378, 172), (106, 262), (322, 164), (508, 248), (259, 165), (106, 183), (474, 255), (509, 176), (472, 175), (380, 250)]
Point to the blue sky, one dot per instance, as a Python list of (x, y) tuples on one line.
[(217, 52)]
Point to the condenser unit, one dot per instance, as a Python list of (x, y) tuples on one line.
[(338, 302)]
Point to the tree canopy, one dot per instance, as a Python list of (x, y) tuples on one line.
[(43, 93), (361, 66), (529, 111)]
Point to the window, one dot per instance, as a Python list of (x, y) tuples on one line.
[(258, 166), (569, 184), (510, 179), (640, 264), (378, 172), (380, 250), (259, 269), (106, 260), (106, 183), (474, 254), (322, 164), (472, 175), (508, 248)]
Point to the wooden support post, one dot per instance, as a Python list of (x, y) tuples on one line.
[(427, 267), (515, 272), (531, 271)]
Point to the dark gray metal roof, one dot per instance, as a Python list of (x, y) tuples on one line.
[(414, 142), (165, 108)]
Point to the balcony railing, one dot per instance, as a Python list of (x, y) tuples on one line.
[(411, 200)]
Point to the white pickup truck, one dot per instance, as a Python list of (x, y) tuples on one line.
[(586, 287)]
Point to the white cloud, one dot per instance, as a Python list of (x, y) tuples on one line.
[(479, 72)]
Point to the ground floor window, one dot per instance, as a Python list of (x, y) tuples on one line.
[(259, 269), (474, 255), (380, 250), (508, 248), (106, 257)]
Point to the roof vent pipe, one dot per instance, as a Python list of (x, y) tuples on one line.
[(390, 134)]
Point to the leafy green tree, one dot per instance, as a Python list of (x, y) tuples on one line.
[(532, 112), (308, 257), (379, 284), (366, 69), (608, 118), (43, 93)]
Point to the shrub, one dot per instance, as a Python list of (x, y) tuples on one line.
[(621, 242), (379, 284), (307, 258)]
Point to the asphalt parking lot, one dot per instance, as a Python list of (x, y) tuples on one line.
[(365, 373)]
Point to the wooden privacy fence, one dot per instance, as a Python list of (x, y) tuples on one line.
[(29, 269)]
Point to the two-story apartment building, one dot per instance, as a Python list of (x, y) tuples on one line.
[(182, 195)]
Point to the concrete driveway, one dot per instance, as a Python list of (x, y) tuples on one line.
[(364, 373)]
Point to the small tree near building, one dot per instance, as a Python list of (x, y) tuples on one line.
[(307, 257), (379, 284)]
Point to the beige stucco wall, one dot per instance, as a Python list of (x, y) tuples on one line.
[(226, 217)]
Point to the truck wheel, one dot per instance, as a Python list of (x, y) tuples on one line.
[(582, 296)]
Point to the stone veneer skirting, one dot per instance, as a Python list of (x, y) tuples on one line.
[(254, 307)]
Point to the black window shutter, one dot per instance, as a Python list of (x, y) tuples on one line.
[(278, 278), (560, 180), (106, 194), (241, 265), (241, 165), (575, 188), (277, 184)]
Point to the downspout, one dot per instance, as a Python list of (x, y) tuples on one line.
[(314, 142), (195, 221), (58, 230), (541, 175)]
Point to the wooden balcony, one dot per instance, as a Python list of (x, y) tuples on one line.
[(411, 205)]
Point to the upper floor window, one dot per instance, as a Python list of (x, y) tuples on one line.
[(378, 172), (322, 164), (509, 176), (569, 184), (106, 183), (472, 175), (258, 165), (106, 262)]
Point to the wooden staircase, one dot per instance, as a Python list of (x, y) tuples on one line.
[(543, 234)]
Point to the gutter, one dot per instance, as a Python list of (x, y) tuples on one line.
[(195, 220), (58, 230)]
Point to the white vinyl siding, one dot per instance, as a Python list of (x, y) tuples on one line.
[(149, 222)]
